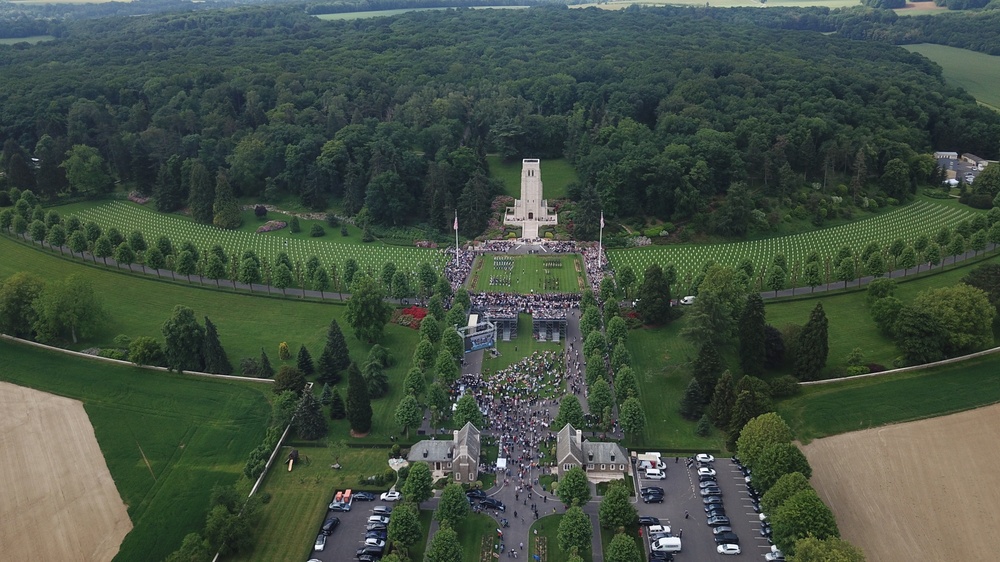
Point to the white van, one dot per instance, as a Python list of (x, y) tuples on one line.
[(655, 474), (667, 544)]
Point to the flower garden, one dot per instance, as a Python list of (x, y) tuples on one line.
[(127, 217), (906, 223)]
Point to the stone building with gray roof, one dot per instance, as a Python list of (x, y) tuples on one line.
[(602, 461), (457, 458)]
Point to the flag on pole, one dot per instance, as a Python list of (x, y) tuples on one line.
[(456, 223), (602, 219)]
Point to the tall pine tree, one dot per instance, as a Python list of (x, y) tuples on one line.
[(813, 346), (706, 370), (752, 334), (226, 210), (304, 361), (335, 357), (359, 405), (201, 193), (723, 400), (266, 370), (216, 360), (337, 409), (309, 422)]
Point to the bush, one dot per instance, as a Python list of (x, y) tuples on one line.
[(260, 211), (343, 230), (785, 386), (317, 230), (249, 367), (332, 221), (295, 225), (112, 353), (857, 370)]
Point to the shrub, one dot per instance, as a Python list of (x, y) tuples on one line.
[(112, 353), (317, 230), (260, 211), (343, 230), (785, 386), (857, 370), (332, 221), (249, 367), (295, 225)]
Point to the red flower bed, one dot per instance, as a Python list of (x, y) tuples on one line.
[(416, 312)]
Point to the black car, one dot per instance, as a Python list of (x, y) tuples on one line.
[(368, 558), (380, 535), (493, 504), (476, 494), (706, 478), (370, 551), (711, 491), (717, 520), (651, 489), (727, 538), (660, 556), (364, 497), (652, 498), (648, 520), (329, 525), (765, 531), (719, 510)]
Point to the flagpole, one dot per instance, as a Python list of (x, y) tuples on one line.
[(600, 245), (456, 237)]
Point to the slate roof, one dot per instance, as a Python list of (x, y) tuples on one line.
[(437, 451), (568, 445), (467, 442), (603, 451)]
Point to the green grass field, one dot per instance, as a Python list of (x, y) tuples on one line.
[(978, 73), (528, 274), (518, 348), (548, 529), (557, 174), (921, 217), (239, 316), (195, 432), (852, 405), (330, 249), (299, 498)]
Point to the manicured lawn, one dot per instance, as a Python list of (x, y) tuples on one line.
[(139, 305), (495, 273), (548, 531), (632, 531), (557, 174), (659, 360), (195, 433), (471, 532), (331, 249), (829, 409), (518, 348), (299, 498), (924, 216), (417, 552)]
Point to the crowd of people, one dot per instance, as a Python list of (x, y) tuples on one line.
[(551, 305)]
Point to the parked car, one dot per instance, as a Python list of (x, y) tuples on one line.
[(382, 510), (381, 535), (711, 491), (320, 543), (774, 556), (493, 504), (376, 527), (364, 496), (728, 549), (392, 496), (717, 520), (667, 544), (658, 529), (649, 489), (372, 551), (704, 457), (658, 536), (708, 483), (706, 477), (728, 537), (711, 499), (652, 498), (648, 520), (721, 529), (329, 525), (377, 543), (476, 494), (368, 558), (765, 531), (655, 474), (379, 519), (660, 556), (706, 471), (718, 511), (688, 300)]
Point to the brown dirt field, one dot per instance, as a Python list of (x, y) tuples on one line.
[(57, 498), (923, 490)]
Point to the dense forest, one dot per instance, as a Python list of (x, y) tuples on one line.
[(662, 111)]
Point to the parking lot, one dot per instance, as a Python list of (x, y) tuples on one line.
[(350, 534), (681, 495)]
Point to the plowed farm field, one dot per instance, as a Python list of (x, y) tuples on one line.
[(922, 490), (57, 498)]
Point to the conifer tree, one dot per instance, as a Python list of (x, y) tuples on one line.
[(226, 211), (304, 361), (309, 422), (693, 402), (216, 360), (335, 357), (723, 400), (751, 334), (337, 409), (706, 369), (201, 193), (266, 370), (813, 346), (359, 406), (327, 395)]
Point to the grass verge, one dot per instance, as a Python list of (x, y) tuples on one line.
[(195, 433), (547, 529)]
